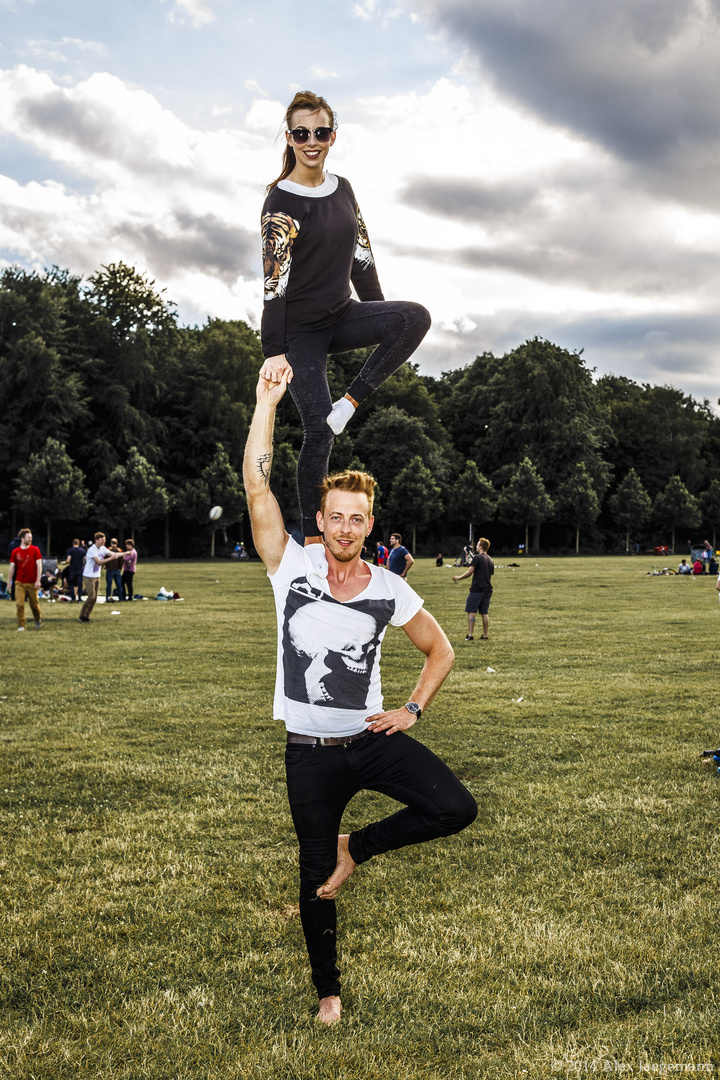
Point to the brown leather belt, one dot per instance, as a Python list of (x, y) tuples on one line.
[(314, 740)]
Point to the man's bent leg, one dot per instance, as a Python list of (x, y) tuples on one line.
[(319, 788), (436, 802)]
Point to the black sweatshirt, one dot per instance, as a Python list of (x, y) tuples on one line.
[(314, 245)]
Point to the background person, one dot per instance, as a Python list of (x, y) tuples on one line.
[(96, 557), (399, 560), (76, 560), (482, 569), (14, 543), (128, 575), (315, 246), (113, 572), (25, 573)]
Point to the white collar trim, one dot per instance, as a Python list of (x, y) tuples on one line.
[(328, 186)]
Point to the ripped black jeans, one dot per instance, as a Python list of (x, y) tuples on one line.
[(396, 328), (322, 780)]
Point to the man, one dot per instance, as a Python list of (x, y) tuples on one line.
[(400, 560), (76, 562), (113, 572), (96, 557), (25, 573), (482, 569), (339, 739)]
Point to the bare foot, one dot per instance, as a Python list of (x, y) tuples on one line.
[(329, 1011), (343, 869)]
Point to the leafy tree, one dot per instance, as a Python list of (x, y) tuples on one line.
[(539, 402), (132, 335), (50, 487), (674, 506), (390, 438), (283, 480), (525, 501), (710, 508), (217, 485), (415, 497), (578, 501), (657, 430), (472, 497), (630, 505), (43, 397), (132, 494)]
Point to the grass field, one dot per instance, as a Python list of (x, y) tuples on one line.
[(148, 863)]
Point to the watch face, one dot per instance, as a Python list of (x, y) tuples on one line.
[(413, 707)]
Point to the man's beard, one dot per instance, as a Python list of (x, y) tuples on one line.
[(342, 554)]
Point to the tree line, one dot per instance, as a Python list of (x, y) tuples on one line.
[(114, 414)]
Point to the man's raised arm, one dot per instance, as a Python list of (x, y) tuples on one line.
[(269, 534)]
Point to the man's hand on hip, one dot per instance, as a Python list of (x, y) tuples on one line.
[(390, 722)]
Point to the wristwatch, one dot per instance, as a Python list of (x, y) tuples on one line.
[(414, 708)]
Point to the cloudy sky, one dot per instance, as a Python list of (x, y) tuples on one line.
[(524, 169)]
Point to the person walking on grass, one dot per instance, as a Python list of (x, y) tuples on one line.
[(481, 569), (340, 740), (315, 246), (25, 573)]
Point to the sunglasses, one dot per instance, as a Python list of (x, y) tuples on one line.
[(301, 135)]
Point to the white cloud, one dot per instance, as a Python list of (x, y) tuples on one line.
[(500, 222), (198, 11), (58, 51), (323, 73), (365, 11), (178, 202)]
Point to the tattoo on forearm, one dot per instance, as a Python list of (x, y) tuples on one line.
[(263, 464)]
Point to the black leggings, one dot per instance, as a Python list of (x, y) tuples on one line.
[(396, 327), (321, 782)]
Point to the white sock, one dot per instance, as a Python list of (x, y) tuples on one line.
[(316, 554), (339, 415)]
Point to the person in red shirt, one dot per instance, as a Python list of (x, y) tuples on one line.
[(25, 571)]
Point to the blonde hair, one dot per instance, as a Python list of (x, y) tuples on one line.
[(349, 480), (484, 544), (304, 99)]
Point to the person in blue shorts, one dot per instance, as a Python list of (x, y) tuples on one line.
[(481, 569)]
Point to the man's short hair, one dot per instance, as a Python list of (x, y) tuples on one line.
[(484, 544), (349, 480), (399, 536), (98, 535), (24, 532), (75, 543)]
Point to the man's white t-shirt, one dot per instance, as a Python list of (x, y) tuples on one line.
[(328, 651), (91, 568)]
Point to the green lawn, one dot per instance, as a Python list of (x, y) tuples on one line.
[(148, 883)]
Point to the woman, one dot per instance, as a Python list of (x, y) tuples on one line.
[(314, 246)]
